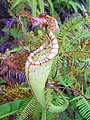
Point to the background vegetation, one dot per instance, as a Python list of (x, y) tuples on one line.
[(71, 68)]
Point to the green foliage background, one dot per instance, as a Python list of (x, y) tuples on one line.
[(71, 68)]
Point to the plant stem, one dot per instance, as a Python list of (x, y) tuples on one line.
[(79, 93), (43, 114)]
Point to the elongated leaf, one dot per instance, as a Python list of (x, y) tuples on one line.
[(41, 5), (16, 49), (10, 108), (75, 98), (88, 5), (51, 5), (88, 92), (75, 5), (16, 2), (34, 5), (29, 2), (27, 109)]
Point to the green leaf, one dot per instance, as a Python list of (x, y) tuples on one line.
[(51, 5), (88, 5), (29, 2), (25, 88), (5, 29), (66, 81), (75, 98), (1, 39), (75, 5), (10, 108), (16, 49), (1, 82), (84, 108), (16, 2), (27, 108), (41, 4), (15, 33), (88, 92), (88, 61), (34, 5)]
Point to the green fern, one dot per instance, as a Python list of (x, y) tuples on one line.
[(17, 2), (87, 92), (84, 108), (37, 112), (51, 116), (48, 96), (73, 37), (55, 100), (15, 33), (67, 81), (71, 31), (27, 109), (78, 116)]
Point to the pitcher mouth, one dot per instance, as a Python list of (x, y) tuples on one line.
[(32, 62)]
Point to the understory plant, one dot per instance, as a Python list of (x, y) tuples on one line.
[(69, 77)]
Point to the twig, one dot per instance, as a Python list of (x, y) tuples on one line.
[(48, 85), (75, 91)]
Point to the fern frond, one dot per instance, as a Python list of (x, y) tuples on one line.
[(55, 100), (78, 116), (72, 30), (88, 92), (48, 95), (73, 39), (27, 109), (67, 81), (37, 112), (59, 101), (50, 116), (84, 108)]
